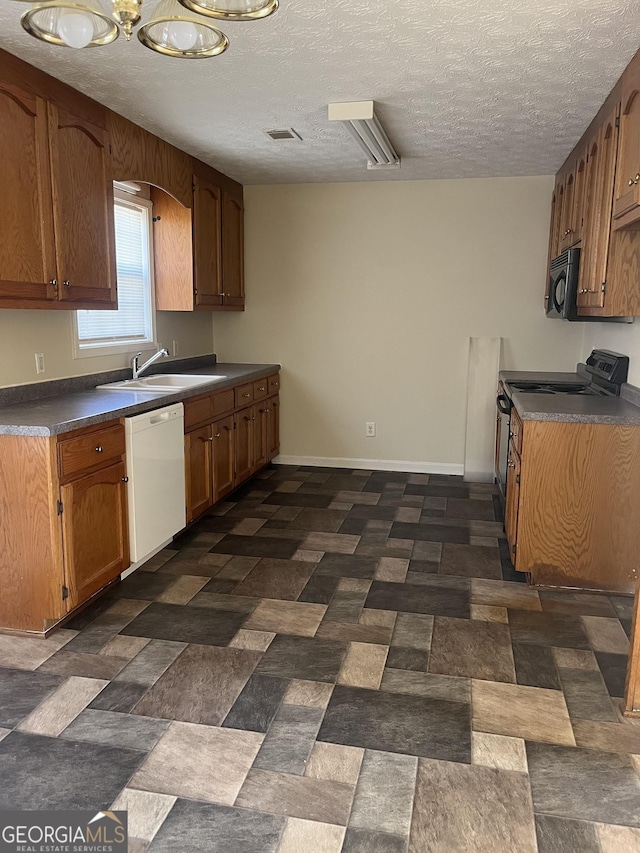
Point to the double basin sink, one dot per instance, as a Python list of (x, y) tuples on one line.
[(162, 383)]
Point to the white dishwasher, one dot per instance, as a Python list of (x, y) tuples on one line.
[(155, 467)]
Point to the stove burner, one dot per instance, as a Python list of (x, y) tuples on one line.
[(554, 388)]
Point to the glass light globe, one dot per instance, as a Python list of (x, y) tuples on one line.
[(182, 34), (75, 29)]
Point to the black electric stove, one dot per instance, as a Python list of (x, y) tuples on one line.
[(606, 370)]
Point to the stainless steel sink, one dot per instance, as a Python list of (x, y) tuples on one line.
[(162, 382)]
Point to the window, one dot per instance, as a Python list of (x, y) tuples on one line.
[(132, 325)]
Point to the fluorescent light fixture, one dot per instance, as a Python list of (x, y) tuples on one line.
[(361, 122)]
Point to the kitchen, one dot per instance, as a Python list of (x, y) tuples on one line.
[(390, 299)]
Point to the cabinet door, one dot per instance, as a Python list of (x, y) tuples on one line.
[(27, 260), (273, 427), (223, 435), (198, 471), (594, 257), (512, 502), (243, 445), (577, 213), (556, 220), (94, 531), (566, 226), (628, 176), (207, 237), (82, 210), (259, 416), (232, 251)]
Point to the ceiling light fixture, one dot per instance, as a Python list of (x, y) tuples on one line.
[(181, 29), (361, 122), (233, 10)]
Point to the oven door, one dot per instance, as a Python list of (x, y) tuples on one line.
[(503, 429)]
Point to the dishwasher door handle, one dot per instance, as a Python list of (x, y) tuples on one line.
[(158, 419)]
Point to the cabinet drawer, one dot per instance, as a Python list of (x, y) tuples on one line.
[(260, 389), (244, 395), (274, 383), (88, 452), (223, 402), (516, 431), (197, 411)]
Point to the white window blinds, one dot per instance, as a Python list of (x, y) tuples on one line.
[(132, 322)]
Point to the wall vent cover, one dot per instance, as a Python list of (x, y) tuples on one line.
[(287, 133)]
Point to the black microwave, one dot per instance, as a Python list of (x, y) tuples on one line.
[(563, 290)]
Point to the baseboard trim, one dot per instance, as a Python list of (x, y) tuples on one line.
[(373, 464)]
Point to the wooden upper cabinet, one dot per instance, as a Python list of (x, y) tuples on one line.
[(27, 262), (577, 214), (140, 156), (598, 202), (83, 209), (566, 219), (207, 243), (627, 193), (233, 251)]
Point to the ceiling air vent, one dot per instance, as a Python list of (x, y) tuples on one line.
[(287, 133)]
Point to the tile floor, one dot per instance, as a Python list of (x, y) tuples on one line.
[(334, 660)]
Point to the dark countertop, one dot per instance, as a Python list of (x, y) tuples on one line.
[(61, 413), (566, 407)]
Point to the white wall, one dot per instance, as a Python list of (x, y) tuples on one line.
[(23, 333), (624, 339), (367, 293)]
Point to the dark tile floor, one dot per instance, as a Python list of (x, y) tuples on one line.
[(333, 660)]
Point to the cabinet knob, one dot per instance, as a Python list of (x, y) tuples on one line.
[(125, 479), (210, 439), (217, 435), (567, 232), (54, 282), (261, 388), (634, 181), (253, 418), (99, 449), (246, 395), (67, 283), (511, 464)]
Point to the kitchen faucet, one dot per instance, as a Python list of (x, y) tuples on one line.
[(138, 368)]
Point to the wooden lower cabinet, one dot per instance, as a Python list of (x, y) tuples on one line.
[(273, 427), (223, 459), (198, 471), (222, 454), (63, 524), (573, 501), (244, 445), (94, 531)]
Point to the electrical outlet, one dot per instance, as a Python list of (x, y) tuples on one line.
[(39, 362), (175, 348), (370, 429)]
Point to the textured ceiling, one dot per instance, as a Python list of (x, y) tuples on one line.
[(465, 88)]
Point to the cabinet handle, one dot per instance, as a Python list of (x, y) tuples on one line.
[(99, 449), (634, 181), (54, 282), (67, 283), (567, 232), (125, 479)]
